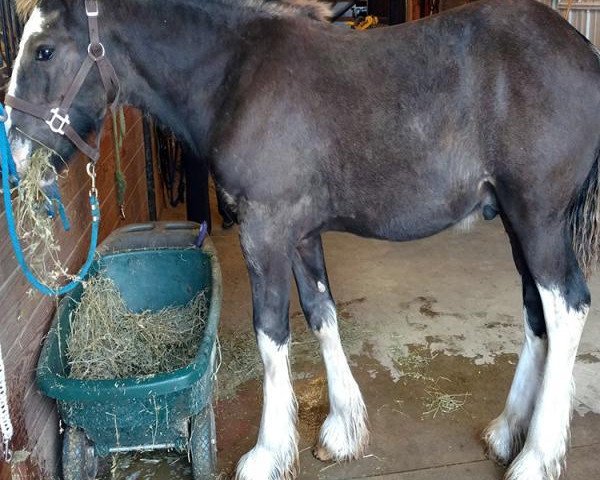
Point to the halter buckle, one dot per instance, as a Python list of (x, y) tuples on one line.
[(91, 13), (63, 120)]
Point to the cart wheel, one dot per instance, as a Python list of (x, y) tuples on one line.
[(203, 444), (78, 458)]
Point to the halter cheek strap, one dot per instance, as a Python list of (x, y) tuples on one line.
[(57, 116)]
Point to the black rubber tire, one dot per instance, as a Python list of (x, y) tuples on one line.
[(203, 444), (79, 461)]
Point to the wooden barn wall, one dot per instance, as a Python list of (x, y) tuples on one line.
[(25, 316)]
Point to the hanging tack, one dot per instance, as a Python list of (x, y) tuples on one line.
[(5, 422), (119, 130)]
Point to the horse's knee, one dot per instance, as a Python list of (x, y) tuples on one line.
[(269, 267), (313, 287), (271, 324), (322, 314)]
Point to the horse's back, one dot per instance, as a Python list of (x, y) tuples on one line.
[(542, 118), (499, 92), (401, 139)]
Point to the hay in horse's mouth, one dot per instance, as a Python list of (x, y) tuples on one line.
[(108, 341)]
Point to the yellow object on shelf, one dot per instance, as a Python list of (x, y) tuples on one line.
[(370, 21)]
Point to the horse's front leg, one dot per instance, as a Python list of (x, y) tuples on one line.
[(344, 434), (266, 250)]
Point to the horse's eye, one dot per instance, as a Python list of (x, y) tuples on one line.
[(44, 53)]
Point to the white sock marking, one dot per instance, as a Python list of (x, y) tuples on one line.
[(547, 441), (275, 454), (344, 433), (506, 433)]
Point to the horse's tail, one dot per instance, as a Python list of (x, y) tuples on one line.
[(584, 221), (584, 217)]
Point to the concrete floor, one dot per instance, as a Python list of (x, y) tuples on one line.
[(421, 319)]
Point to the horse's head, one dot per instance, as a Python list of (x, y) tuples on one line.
[(56, 60)]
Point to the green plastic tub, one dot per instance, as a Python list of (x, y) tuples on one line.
[(154, 265)]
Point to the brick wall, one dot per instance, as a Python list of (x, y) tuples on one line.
[(25, 317)]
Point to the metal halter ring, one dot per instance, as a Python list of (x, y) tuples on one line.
[(96, 57)]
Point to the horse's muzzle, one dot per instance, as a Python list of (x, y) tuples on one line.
[(21, 148)]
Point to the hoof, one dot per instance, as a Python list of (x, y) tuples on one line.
[(262, 464), (502, 442), (530, 465), (343, 439), (321, 453)]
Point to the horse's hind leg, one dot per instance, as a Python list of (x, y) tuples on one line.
[(344, 435), (505, 435), (267, 251), (565, 300)]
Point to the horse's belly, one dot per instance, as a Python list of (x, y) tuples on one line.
[(395, 228), (415, 218)]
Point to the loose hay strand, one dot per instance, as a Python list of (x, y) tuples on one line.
[(35, 227), (108, 341), (439, 402)]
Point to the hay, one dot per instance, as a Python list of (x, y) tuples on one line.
[(413, 364), (34, 226), (108, 341), (439, 402), (242, 362)]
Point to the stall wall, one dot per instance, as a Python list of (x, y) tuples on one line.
[(585, 16), (25, 315)]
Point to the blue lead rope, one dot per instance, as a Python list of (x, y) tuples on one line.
[(54, 204), (9, 174)]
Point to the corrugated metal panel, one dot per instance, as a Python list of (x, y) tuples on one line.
[(587, 21), (584, 15)]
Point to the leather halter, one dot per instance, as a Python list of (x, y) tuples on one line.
[(56, 115)]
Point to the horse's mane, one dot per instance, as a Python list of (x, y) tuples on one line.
[(310, 8), (25, 7)]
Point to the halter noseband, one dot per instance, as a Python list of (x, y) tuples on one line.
[(57, 115)]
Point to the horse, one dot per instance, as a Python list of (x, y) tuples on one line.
[(489, 109)]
